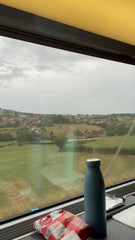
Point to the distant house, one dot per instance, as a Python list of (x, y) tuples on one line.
[(38, 115), (36, 130), (12, 121)]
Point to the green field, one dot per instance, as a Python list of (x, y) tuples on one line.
[(36, 175), (7, 143), (111, 142), (70, 128)]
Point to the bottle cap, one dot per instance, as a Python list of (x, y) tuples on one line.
[(93, 162)]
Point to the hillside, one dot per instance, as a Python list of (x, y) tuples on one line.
[(45, 126)]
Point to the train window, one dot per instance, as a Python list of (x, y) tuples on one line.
[(58, 108)]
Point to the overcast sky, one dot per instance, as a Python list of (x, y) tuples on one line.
[(40, 79)]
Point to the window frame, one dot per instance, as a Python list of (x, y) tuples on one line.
[(28, 27), (32, 28)]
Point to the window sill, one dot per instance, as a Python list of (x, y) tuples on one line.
[(17, 229)]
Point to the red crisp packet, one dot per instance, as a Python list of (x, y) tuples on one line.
[(62, 225)]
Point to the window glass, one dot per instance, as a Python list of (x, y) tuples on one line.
[(58, 108)]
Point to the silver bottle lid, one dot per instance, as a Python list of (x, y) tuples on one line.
[(93, 162)]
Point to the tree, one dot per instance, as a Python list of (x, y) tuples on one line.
[(51, 135), (23, 135), (122, 129), (6, 137), (16, 123), (43, 136), (1, 119), (59, 119), (111, 130), (60, 141), (78, 132), (16, 114)]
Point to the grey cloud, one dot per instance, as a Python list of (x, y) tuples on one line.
[(56, 81), (10, 72), (39, 57)]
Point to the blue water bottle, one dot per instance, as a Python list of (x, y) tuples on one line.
[(94, 199)]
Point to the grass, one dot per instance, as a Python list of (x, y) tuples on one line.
[(70, 128), (111, 142), (23, 185), (3, 143), (10, 130)]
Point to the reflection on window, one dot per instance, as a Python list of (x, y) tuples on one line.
[(57, 109)]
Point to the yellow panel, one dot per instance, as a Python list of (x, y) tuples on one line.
[(111, 18)]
